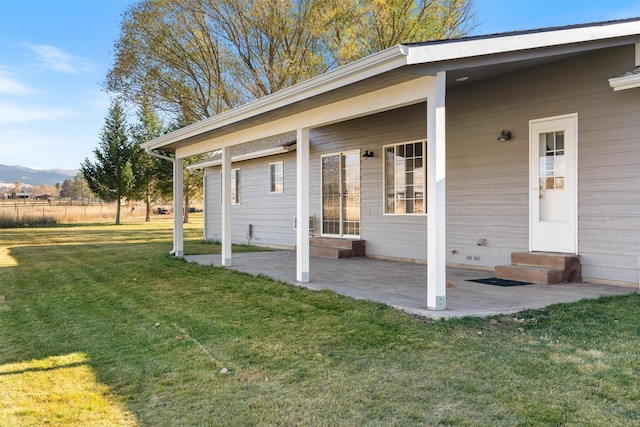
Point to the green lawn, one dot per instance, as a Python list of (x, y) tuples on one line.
[(100, 326)]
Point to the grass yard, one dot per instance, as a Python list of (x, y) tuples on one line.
[(100, 326)]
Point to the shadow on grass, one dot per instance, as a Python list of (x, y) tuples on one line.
[(182, 344)]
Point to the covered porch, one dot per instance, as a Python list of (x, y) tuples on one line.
[(401, 285)]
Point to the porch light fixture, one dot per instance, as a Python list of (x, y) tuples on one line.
[(505, 135), (367, 153)]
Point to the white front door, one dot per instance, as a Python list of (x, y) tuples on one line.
[(553, 172), (341, 194)]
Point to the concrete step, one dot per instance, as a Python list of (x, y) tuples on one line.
[(545, 259), (542, 267), (329, 252), (531, 274), (328, 247)]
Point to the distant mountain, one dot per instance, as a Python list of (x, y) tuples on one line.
[(23, 175)]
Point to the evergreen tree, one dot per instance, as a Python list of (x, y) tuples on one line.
[(149, 171), (111, 177)]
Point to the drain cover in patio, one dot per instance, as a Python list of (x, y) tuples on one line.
[(499, 282)]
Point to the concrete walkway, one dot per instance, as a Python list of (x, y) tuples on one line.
[(403, 285)]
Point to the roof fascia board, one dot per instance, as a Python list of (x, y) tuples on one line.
[(386, 60), (431, 68), (512, 43)]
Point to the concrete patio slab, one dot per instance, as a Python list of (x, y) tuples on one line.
[(403, 285)]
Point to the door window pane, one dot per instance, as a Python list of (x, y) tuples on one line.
[(331, 195), (552, 206)]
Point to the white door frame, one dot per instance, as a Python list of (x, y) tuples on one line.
[(554, 235)]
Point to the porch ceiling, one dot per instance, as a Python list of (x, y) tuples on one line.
[(362, 87), (387, 91)]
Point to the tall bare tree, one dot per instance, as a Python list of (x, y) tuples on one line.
[(353, 29), (201, 57), (169, 54)]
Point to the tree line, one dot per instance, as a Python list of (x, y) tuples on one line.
[(194, 59)]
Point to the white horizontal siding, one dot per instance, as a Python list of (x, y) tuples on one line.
[(395, 236), (487, 181), (270, 214), (608, 162)]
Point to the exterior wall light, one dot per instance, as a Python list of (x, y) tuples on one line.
[(505, 135)]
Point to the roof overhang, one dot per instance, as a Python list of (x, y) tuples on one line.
[(362, 69), (499, 44), (490, 55)]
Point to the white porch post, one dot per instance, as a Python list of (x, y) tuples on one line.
[(204, 204), (436, 172), (178, 207), (302, 206), (226, 207)]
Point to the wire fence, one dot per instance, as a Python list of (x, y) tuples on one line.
[(32, 212)]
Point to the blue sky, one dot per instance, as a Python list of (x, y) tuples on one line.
[(54, 54)]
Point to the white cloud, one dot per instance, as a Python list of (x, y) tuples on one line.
[(12, 113), (55, 59), (11, 86)]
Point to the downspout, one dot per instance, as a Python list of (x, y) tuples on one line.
[(172, 160)]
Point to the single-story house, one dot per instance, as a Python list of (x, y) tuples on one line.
[(508, 151)]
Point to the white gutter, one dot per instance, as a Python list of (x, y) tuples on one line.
[(626, 82), (152, 153)]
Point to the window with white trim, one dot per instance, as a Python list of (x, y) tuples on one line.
[(235, 193), (276, 177), (404, 178)]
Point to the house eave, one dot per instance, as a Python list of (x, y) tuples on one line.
[(381, 62), (448, 50), (436, 56)]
